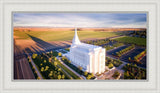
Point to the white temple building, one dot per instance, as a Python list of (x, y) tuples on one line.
[(90, 57)]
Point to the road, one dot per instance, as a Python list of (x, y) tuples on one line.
[(38, 73)]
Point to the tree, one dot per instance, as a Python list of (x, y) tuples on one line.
[(29, 60), (110, 65), (59, 69), (89, 77), (135, 65), (46, 68), (38, 78), (69, 61), (34, 56), (41, 57), (62, 58), (50, 74), (42, 69), (85, 73), (44, 61), (118, 60), (132, 75), (116, 74), (59, 77), (71, 78), (51, 52), (111, 60), (41, 64), (50, 59), (128, 64), (80, 68), (33, 67), (127, 74), (60, 54), (129, 58), (55, 58), (55, 63), (92, 75), (143, 74), (63, 76)]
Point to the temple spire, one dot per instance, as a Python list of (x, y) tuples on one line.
[(75, 38)]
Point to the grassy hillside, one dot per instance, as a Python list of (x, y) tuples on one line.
[(62, 35), (132, 40)]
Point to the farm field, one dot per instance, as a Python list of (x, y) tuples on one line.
[(132, 40), (38, 41), (61, 35)]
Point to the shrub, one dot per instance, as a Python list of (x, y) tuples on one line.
[(110, 66)]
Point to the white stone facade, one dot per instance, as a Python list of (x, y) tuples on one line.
[(90, 57)]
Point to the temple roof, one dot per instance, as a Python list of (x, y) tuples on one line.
[(82, 46), (75, 38)]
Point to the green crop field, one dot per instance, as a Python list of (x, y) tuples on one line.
[(132, 40), (62, 35)]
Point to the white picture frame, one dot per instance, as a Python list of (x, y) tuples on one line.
[(152, 7)]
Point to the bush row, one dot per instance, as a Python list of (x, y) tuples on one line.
[(120, 53), (140, 55)]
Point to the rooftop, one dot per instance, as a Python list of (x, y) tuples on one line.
[(82, 46)]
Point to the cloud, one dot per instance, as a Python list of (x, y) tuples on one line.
[(80, 20)]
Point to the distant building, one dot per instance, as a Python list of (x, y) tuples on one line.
[(90, 57)]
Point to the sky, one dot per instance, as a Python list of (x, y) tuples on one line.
[(109, 20)]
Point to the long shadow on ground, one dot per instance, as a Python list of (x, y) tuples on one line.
[(44, 45), (41, 43)]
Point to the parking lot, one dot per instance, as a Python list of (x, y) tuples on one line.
[(130, 54)]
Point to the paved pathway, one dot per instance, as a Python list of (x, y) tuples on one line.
[(71, 69), (38, 73)]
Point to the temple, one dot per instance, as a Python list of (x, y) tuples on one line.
[(90, 57)]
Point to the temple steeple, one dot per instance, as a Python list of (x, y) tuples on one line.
[(75, 38)]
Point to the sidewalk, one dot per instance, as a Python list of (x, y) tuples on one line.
[(71, 69)]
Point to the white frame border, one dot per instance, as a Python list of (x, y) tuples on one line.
[(8, 86)]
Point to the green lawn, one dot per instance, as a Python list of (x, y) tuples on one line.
[(63, 35), (132, 40), (68, 71)]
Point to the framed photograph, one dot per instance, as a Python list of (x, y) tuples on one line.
[(80, 46)]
